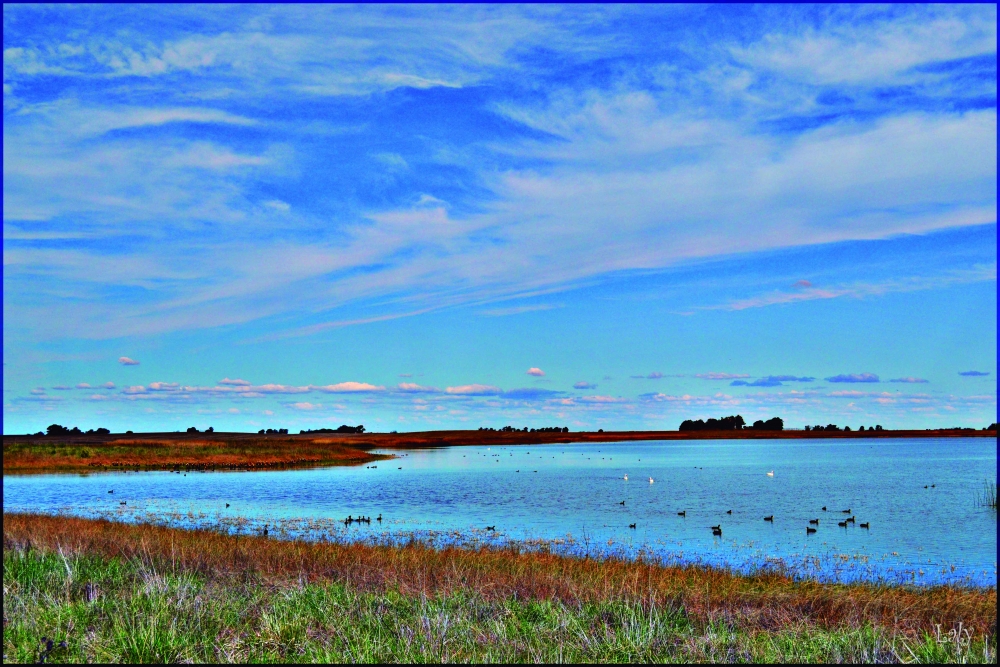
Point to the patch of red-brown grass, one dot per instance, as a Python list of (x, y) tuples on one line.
[(41, 455), (763, 601)]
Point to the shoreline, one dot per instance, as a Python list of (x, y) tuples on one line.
[(248, 451), (206, 596)]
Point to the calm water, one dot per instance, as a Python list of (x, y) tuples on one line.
[(571, 494)]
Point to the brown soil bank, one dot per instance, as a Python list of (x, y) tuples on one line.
[(766, 601), (165, 451)]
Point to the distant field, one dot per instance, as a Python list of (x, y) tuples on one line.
[(100, 591), (163, 451)]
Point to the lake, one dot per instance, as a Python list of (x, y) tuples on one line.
[(569, 498)]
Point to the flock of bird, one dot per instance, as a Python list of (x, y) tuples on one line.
[(717, 530)]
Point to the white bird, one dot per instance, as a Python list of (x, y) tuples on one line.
[(650, 480), (770, 474), (626, 478)]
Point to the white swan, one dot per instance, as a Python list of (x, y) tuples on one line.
[(770, 474), (650, 480), (626, 478)]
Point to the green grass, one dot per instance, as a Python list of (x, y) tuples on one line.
[(144, 614)]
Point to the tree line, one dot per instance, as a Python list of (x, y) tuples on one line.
[(343, 428), (732, 423)]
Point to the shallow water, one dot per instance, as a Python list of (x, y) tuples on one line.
[(571, 494)]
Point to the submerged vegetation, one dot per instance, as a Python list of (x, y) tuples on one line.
[(100, 591)]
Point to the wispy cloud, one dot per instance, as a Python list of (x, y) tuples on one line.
[(721, 376), (584, 385), (864, 290), (973, 374), (516, 310), (910, 380), (655, 375), (474, 390)]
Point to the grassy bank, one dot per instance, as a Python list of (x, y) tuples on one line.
[(166, 451), (142, 593), (54, 454)]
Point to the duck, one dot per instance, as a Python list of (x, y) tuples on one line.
[(631, 525), (717, 532), (849, 519), (719, 527), (729, 511), (823, 508), (847, 511), (265, 530), (622, 503), (227, 504), (379, 517), (683, 513), (842, 524), (492, 528), (769, 518), (864, 525), (814, 522), (810, 531)]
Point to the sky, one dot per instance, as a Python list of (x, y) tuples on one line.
[(462, 216)]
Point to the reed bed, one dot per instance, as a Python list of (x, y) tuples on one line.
[(987, 496), (172, 594)]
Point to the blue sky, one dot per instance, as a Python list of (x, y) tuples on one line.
[(419, 217)]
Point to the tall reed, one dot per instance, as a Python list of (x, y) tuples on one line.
[(987, 497)]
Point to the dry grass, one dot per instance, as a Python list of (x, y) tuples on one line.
[(763, 602), (45, 454)]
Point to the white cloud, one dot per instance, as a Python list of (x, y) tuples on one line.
[(126, 361), (348, 387), (234, 383), (537, 372)]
